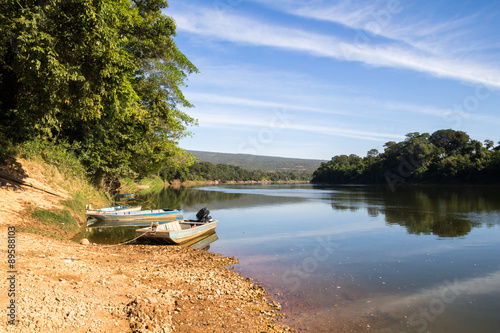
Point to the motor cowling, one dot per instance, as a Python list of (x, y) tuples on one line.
[(203, 215)]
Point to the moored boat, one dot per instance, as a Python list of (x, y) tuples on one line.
[(177, 232), (141, 215), (110, 209)]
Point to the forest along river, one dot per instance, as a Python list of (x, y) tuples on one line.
[(359, 258)]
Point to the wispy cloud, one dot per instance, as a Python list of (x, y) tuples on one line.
[(246, 30), (387, 19), (218, 119), (239, 101), (341, 103)]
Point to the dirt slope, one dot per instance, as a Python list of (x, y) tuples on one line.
[(15, 198)]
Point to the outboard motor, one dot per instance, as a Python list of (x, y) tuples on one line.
[(202, 215)]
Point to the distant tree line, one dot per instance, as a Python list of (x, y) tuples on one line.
[(203, 171), (445, 156)]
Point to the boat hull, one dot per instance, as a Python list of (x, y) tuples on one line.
[(142, 215), (121, 209), (172, 233), (118, 224)]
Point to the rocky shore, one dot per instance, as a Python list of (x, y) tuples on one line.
[(63, 286)]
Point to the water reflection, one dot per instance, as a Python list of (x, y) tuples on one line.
[(176, 198), (215, 198), (109, 235), (442, 211), (424, 210), (202, 243)]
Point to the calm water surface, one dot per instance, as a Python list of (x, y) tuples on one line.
[(361, 259)]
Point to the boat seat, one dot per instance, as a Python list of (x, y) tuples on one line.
[(174, 226)]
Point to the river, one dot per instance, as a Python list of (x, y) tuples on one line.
[(362, 258)]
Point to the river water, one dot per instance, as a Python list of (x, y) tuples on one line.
[(359, 258)]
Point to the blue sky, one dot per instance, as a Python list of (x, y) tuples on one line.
[(315, 79)]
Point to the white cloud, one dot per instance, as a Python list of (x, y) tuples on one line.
[(349, 106), (220, 119), (389, 19), (239, 101), (227, 26)]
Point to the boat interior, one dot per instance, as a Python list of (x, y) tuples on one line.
[(179, 225)]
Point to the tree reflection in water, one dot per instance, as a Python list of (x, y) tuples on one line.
[(444, 211)]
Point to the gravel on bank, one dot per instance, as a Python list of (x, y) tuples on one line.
[(63, 286)]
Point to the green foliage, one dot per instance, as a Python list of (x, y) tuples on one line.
[(444, 156), (102, 77), (76, 204), (61, 219), (453, 142), (60, 155), (7, 148)]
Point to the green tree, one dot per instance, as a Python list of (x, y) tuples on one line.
[(444, 156), (104, 76), (488, 144), (453, 142)]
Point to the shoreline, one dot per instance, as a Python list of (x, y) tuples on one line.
[(68, 287), (64, 286), (190, 183)]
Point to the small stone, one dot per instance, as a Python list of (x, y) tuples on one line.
[(85, 241), (152, 300)]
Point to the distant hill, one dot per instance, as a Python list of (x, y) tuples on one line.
[(257, 162)]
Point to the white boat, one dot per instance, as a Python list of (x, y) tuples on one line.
[(90, 211), (177, 232), (139, 217)]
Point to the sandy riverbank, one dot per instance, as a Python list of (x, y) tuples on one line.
[(68, 287)]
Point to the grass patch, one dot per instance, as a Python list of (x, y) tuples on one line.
[(142, 186), (76, 204), (60, 218), (55, 223), (127, 185)]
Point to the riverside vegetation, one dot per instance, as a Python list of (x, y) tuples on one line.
[(445, 156), (103, 81)]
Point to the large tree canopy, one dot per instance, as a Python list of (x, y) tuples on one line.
[(103, 76), (443, 156)]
